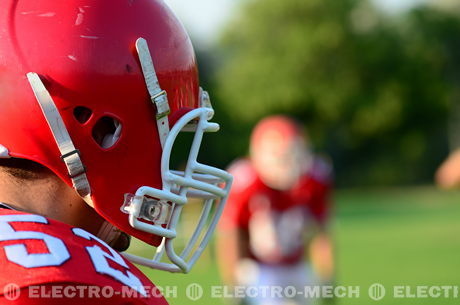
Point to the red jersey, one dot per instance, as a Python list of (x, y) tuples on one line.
[(43, 261), (275, 220)]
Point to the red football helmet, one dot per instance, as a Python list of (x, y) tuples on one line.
[(280, 151), (97, 91)]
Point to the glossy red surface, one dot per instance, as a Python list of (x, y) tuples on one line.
[(84, 52)]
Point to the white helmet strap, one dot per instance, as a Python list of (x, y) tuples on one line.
[(157, 95), (69, 154)]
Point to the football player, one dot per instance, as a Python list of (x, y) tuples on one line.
[(93, 95), (278, 208)]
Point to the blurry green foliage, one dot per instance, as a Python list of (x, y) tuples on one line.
[(374, 91)]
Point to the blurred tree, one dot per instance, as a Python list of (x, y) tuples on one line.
[(374, 91), (451, 6), (442, 28)]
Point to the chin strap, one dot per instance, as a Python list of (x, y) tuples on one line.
[(69, 154), (114, 237), (108, 233)]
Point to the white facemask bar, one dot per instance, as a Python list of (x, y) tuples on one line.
[(198, 180)]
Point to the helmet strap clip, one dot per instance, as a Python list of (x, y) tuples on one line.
[(69, 154), (157, 95)]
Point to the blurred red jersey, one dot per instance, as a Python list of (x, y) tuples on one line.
[(277, 221), (43, 261)]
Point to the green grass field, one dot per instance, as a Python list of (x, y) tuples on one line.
[(404, 236)]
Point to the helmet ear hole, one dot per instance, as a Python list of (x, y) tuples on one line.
[(82, 114), (107, 132)]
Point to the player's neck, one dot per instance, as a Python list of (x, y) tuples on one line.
[(49, 197)]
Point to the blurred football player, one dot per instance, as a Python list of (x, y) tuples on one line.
[(93, 95), (278, 208)]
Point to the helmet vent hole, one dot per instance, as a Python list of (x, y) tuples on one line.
[(107, 132), (82, 114)]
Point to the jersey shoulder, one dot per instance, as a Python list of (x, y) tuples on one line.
[(321, 170), (244, 174), (36, 251)]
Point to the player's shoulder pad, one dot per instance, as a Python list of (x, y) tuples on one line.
[(321, 170), (35, 250), (243, 172)]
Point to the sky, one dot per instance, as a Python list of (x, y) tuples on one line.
[(204, 19), (396, 5)]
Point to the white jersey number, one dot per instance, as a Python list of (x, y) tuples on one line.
[(101, 264), (18, 253), (58, 252)]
